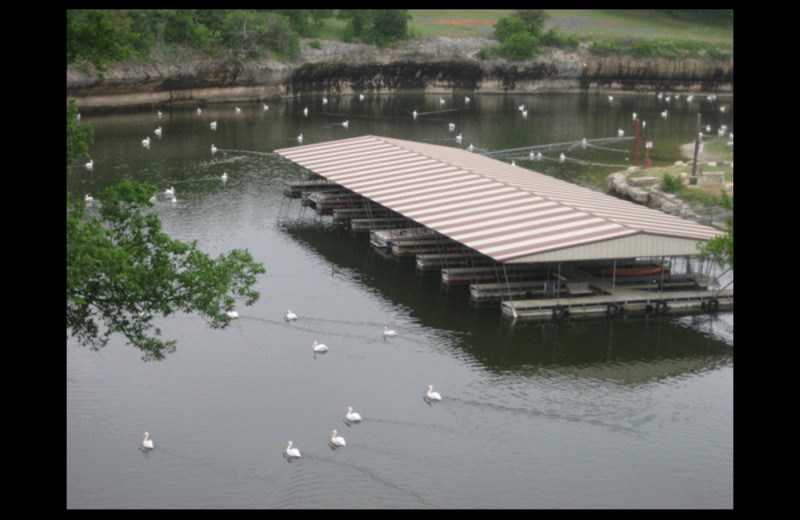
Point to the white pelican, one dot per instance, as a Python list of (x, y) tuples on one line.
[(633, 116), (336, 440), (292, 453), (451, 126), (414, 114), (562, 157), (324, 100), (290, 316), (199, 111), (521, 108), (169, 191), (300, 138), (266, 107), (620, 132), (430, 395), (90, 165), (346, 124), (361, 97), (238, 110), (524, 114), (146, 142), (224, 176), (88, 198), (146, 443), (690, 98), (160, 114), (319, 348), (664, 114), (213, 149), (470, 147), (610, 99), (232, 314), (157, 131), (388, 333), (351, 416), (305, 111), (441, 101), (212, 125), (466, 100)]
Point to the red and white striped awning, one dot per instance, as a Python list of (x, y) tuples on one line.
[(506, 212)]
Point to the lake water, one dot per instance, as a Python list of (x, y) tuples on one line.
[(583, 413)]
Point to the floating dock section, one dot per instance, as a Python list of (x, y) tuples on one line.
[(541, 247)]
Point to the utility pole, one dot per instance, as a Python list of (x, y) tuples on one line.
[(696, 147)]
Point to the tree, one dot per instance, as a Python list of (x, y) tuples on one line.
[(122, 270), (721, 247)]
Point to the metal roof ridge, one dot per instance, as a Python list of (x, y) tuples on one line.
[(395, 142)]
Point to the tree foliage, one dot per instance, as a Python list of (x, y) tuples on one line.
[(721, 247), (522, 34), (123, 270)]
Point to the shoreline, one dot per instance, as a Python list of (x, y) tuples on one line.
[(432, 65)]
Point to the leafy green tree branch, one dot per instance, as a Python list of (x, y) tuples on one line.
[(123, 270)]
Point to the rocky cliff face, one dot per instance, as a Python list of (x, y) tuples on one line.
[(440, 65)]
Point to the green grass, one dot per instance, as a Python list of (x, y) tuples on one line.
[(584, 23)]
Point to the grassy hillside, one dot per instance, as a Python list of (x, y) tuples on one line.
[(584, 23)]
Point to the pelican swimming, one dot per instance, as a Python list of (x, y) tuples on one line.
[(146, 142), (300, 138), (213, 149), (319, 348), (232, 314), (346, 124), (562, 157), (388, 333), (146, 443), (199, 111), (157, 131), (88, 198), (266, 107), (212, 125), (620, 132), (459, 138), (414, 114), (351, 416), (292, 453), (290, 316), (430, 395), (361, 97), (451, 126), (224, 176), (238, 110), (336, 440), (90, 165), (169, 191)]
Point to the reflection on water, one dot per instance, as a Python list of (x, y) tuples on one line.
[(583, 413)]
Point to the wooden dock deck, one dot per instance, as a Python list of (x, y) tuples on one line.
[(599, 296)]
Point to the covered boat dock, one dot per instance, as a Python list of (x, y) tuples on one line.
[(542, 246)]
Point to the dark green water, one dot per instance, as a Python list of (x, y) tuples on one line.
[(595, 413)]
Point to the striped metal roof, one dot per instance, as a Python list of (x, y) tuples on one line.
[(506, 212)]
